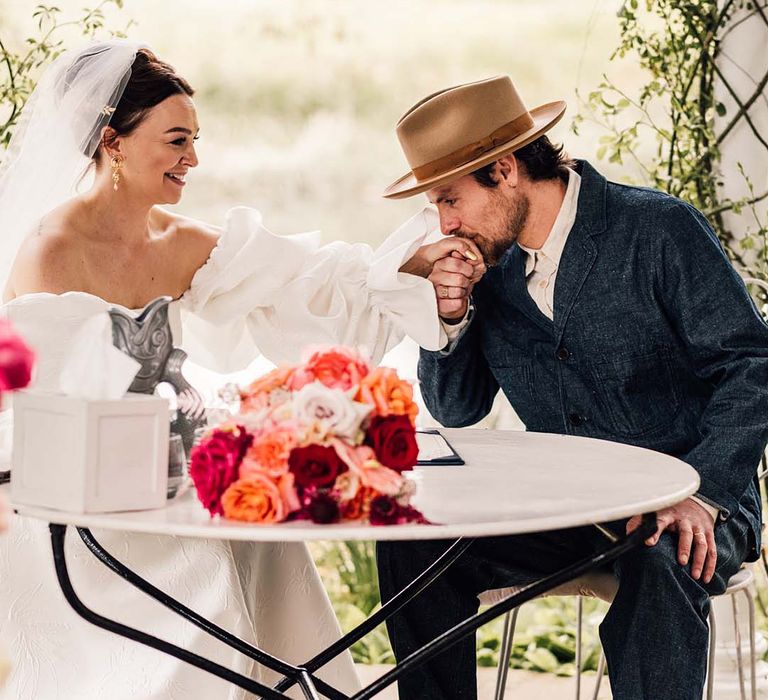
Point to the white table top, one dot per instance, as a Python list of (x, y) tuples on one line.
[(513, 482)]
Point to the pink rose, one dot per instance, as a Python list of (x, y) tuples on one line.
[(215, 465), (269, 452), (362, 461)]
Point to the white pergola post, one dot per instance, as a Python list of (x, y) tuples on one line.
[(743, 61)]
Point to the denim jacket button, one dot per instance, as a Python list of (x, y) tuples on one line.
[(576, 419), (562, 353)]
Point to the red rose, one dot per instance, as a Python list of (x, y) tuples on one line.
[(215, 464), (393, 439), (16, 359), (315, 465)]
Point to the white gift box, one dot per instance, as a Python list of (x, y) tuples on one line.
[(90, 456)]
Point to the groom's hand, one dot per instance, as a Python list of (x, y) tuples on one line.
[(426, 256), (453, 278)]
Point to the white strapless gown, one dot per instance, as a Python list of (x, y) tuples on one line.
[(257, 293)]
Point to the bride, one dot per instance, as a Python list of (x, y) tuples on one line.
[(115, 113)]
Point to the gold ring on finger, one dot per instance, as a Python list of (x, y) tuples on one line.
[(444, 292)]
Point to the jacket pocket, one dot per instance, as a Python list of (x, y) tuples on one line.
[(640, 391)]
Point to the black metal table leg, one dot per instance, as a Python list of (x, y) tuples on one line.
[(447, 639), (271, 662), (304, 675), (58, 534), (427, 577)]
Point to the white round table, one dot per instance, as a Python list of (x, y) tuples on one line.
[(513, 482)]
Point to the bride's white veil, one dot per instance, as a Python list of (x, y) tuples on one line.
[(57, 134)]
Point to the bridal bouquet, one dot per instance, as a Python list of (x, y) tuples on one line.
[(325, 441)]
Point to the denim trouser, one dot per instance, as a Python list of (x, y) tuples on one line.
[(654, 635)]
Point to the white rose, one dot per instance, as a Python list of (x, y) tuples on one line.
[(331, 409)]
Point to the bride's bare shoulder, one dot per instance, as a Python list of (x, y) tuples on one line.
[(191, 239), (47, 260)]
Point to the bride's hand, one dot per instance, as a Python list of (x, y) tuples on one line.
[(426, 256)]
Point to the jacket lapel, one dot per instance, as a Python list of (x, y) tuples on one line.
[(515, 283), (581, 249)]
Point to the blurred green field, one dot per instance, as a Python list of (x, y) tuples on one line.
[(298, 99)]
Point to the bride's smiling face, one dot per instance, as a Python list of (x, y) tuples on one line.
[(157, 155)]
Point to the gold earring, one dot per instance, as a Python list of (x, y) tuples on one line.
[(116, 164)]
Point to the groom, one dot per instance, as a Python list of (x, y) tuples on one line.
[(608, 312)]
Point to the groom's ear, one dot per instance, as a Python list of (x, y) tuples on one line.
[(508, 171)]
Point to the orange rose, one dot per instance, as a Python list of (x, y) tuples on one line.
[(256, 499), (391, 395), (337, 368), (269, 453), (256, 395)]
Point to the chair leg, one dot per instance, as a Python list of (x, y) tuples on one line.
[(505, 652), (579, 618), (600, 672), (712, 648), (739, 659), (752, 650)]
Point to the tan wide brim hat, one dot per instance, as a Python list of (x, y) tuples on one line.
[(455, 131)]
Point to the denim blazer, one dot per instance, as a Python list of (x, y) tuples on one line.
[(655, 342)]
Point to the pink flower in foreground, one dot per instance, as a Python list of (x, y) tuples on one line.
[(215, 464), (16, 359)]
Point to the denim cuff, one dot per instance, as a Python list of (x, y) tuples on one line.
[(715, 495)]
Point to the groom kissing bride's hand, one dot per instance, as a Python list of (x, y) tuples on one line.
[(453, 265)]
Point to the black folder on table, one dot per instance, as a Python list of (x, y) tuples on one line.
[(444, 452)]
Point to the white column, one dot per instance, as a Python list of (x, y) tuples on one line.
[(743, 61)]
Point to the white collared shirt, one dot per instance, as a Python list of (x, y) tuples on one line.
[(542, 264)]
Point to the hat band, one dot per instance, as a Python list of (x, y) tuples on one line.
[(467, 153)]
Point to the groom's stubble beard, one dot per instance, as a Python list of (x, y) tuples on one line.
[(513, 214)]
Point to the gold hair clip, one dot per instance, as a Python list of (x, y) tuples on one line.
[(108, 111)]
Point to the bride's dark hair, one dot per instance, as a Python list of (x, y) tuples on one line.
[(151, 82)]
